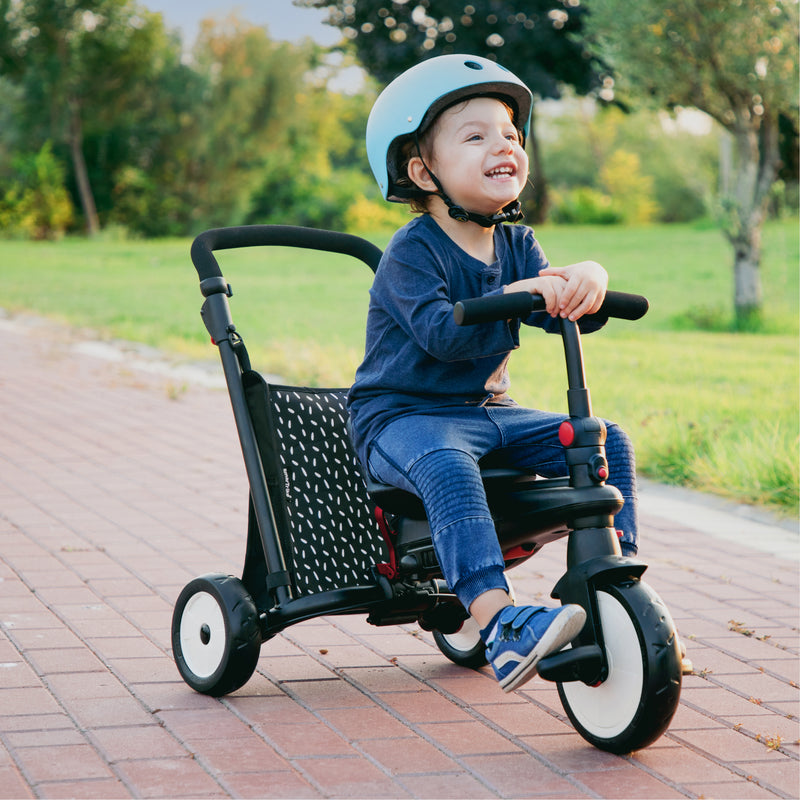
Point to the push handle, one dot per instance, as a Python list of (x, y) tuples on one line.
[(203, 247), (521, 304)]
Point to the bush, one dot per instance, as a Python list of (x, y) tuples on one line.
[(583, 206), (36, 205), (369, 215), (631, 191), (142, 207), (586, 146)]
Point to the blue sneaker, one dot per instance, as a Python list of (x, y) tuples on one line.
[(524, 635)]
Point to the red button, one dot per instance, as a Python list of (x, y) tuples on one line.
[(566, 433)]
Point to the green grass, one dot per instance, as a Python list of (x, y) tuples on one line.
[(713, 410)]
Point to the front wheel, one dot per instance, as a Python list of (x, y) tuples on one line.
[(636, 702), (216, 637)]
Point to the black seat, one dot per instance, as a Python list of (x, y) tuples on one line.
[(496, 480)]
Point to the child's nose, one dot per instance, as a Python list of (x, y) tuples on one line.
[(503, 144)]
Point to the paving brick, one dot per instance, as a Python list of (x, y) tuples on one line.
[(365, 724), (519, 775), (627, 782), (742, 789), (284, 784), (408, 756), (383, 679), (334, 693), (451, 786), (344, 777), (27, 700), (779, 773), (200, 724), (728, 746), (135, 742), (297, 741), (61, 762), (468, 737), (12, 785), (100, 788), (423, 705), (168, 777), (248, 753)]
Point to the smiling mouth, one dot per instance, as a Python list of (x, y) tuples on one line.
[(501, 172)]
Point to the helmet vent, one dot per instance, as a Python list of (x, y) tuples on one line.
[(473, 65)]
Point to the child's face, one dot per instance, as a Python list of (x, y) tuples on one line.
[(477, 156)]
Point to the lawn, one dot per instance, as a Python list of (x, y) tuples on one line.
[(705, 407)]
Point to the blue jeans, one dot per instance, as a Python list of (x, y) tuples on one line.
[(434, 454)]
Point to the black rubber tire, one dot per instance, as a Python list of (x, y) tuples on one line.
[(635, 704), (465, 647), (216, 637)]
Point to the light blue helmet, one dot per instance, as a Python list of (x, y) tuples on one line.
[(413, 100)]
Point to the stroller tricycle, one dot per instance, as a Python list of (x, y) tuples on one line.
[(324, 540)]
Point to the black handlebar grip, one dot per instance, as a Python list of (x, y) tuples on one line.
[(495, 307), (521, 304), (622, 305)]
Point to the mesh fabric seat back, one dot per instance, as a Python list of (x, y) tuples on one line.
[(329, 529)]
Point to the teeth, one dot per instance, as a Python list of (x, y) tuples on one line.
[(501, 171)]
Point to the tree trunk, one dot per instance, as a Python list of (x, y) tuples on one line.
[(81, 172), (540, 200), (747, 175)]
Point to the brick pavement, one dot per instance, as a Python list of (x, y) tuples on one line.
[(118, 485)]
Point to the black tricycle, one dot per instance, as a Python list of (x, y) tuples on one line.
[(323, 540)]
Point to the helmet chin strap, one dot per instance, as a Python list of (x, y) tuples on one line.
[(509, 213)]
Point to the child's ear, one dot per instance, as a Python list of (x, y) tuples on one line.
[(419, 174)]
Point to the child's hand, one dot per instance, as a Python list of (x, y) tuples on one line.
[(550, 287), (584, 290)]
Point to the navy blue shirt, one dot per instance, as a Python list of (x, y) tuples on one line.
[(416, 356)]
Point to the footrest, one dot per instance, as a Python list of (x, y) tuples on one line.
[(574, 664)]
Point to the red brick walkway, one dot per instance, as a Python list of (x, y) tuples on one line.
[(118, 486)]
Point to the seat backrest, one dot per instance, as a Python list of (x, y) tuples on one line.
[(319, 497)]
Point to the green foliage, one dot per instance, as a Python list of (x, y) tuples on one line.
[(34, 202), (676, 171), (316, 180), (631, 191), (583, 206), (737, 61), (366, 214), (542, 41)]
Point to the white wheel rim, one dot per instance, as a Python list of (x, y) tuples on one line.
[(607, 710), (201, 612), (466, 638)]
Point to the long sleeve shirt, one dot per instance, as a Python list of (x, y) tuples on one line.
[(416, 356)]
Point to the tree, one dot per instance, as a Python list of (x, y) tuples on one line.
[(82, 66), (541, 41), (737, 61), (256, 99)]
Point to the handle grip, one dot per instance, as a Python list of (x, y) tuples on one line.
[(521, 304)]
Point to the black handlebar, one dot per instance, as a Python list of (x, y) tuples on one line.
[(211, 280), (521, 304)]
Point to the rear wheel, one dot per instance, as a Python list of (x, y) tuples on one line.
[(216, 637), (464, 647), (636, 702)]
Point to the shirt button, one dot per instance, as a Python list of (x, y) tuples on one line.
[(491, 279)]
